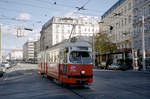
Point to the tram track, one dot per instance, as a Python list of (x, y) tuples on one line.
[(76, 93)]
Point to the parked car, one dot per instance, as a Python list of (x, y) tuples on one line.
[(124, 67), (1, 72), (3, 69), (103, 65), (114, 66), (6, 64)]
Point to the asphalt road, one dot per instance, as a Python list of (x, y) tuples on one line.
[(24, 82)]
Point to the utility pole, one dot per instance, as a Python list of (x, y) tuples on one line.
[(93, 47), (0, 43), (143, 43)]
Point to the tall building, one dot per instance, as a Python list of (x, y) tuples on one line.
[(58, 29), (16, 54), (28, 51), (36, 49), (142, 8), (117, 22)]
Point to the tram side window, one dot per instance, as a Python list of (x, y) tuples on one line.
[(57, 57), (42, 58), (54, 57), (63, 56), (49, 58)]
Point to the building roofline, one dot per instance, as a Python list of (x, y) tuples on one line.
[(111, 9)]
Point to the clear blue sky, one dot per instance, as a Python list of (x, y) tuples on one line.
[(34, 11)]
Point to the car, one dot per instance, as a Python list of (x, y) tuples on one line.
[(103, 65), (124, 67), (114, 66), (3, 69), (6, 64), (1, 72)]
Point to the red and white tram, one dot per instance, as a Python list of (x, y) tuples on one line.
[(68, 62)]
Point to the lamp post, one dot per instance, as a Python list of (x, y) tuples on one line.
[(143, 43), (0, 44), (93, 48)]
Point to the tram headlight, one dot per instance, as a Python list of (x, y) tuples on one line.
[(82, 72)]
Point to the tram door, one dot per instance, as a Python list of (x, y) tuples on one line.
[(45, 63)]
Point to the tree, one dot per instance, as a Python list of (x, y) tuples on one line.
[(103, 44)]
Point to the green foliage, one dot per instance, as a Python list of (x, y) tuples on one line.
[(103, 44)]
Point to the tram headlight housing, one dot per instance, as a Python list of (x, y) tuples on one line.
[(82, 72)]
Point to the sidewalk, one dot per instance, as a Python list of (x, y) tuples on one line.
[(98, 69)]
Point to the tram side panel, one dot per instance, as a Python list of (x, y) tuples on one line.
[(52, 64), (71, 73), (41, 62), (52, 70)]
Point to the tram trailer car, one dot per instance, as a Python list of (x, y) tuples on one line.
[(68, 62)]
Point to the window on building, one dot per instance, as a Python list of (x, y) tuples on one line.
[(129, 18), (144, 11), (88, 29), (85, 29), (129, 6), (125, 9), (122, 22), (125, 20)]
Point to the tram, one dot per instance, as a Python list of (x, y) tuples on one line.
[(68, 62)]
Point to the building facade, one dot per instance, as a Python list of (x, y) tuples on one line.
[(58, 29), (141, 9), (36, 49), (28, 51), (117, 22), (16, 55)]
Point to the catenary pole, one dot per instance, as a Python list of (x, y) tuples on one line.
[(143, 43), (0, 42)]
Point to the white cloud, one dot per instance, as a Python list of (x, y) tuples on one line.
[(24, 16)]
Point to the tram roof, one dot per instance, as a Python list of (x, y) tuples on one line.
[(64, 44)]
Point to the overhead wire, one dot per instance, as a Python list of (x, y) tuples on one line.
[(47, 2), (25, 4), (15, 19), (69, 6), (19, 20)]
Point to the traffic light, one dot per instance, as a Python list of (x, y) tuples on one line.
[(28, 29), (19, 32)]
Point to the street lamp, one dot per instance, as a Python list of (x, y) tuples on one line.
[(143, 43), (19, 31)]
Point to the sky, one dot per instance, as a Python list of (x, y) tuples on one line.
[(33, 14)]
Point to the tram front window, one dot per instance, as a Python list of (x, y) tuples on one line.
[(80, 57)]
